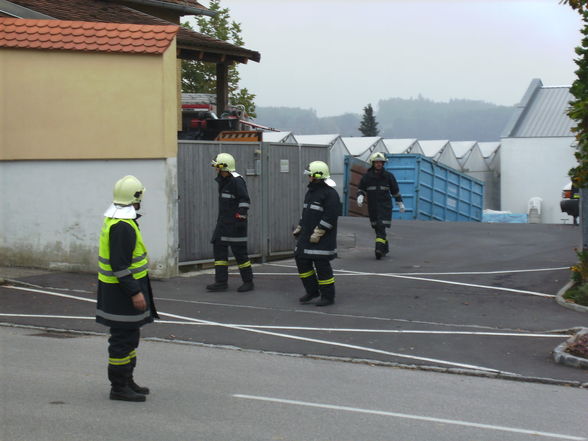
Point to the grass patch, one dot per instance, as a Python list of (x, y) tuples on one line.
[(577, 294)]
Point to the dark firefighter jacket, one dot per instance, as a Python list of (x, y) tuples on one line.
[(321, 209), (378, 187), (232, 199), (114, 306)]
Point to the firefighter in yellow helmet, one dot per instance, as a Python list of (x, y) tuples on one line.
[(379, 185), (231, 225), (317, 236), (125, 300)]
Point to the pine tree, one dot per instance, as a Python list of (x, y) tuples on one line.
[(199, 77), (369, 125)]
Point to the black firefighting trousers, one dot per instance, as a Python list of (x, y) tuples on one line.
[(122, 355), (317, 277), (221, 261)]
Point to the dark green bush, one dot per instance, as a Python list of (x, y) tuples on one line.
[(578, 294)]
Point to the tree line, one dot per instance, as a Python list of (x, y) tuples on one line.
[(418, 118)]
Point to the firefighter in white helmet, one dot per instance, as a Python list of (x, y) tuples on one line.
[(379, 185), (125, 300), (231, 225), (317, 236)]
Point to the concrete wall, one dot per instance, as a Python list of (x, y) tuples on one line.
[(66, 105), (535, 167), (52, 211)]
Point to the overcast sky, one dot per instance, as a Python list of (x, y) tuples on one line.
[(335, 56)]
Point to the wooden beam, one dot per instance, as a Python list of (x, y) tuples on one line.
[(222, 87)]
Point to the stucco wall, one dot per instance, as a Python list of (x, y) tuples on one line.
[(66, 105), (52, 211), (535, 167)]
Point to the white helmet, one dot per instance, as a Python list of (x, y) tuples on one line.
[(318, 170), (127, 191), (378, 156), (224, 162)]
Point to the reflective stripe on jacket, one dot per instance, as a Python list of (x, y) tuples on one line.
[(139, 263)]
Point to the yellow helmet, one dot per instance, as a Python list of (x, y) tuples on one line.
[(128, 190), (378, 156), (224, 162), (318, 170)]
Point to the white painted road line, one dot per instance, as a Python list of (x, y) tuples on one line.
[(425, 279), (304, 328), (411, 417), (293, 337)]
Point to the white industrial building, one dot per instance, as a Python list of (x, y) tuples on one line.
[(536, 152), (363, 147), (441, 152), (337, 152), (399, 146)]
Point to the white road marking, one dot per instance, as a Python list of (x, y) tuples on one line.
[(401, 276), (49, 316), (305, 328), (411, 417), (473, 273), (292, 337), (473, 285)]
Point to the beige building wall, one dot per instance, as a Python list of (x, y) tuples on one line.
[(80, 105)]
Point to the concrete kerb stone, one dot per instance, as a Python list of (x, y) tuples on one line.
[(561, 356), (559, 353)]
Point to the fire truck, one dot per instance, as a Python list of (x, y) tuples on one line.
[(201, 122)]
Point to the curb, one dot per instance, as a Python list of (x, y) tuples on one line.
[(562, 357), (570, 305)]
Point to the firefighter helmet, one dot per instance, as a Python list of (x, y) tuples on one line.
[(128, 190), (224, 162), (378, 156), (318, 170)]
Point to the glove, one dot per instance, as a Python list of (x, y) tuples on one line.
[(401, 207), (316, 235), (297, 231), (240, 217), (360, 201)]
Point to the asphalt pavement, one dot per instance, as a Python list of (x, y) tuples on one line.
[(447, 338), (53, 388), (457, 297)]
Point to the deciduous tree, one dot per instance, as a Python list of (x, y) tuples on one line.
[(199, 77)]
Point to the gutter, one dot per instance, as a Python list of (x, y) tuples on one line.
[(187, 10)]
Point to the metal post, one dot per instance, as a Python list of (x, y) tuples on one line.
[(583, 219), (265, 210)]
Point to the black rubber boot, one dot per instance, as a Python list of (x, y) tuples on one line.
[(247, 286), (324, 301), (217, 286), (125, 393), (308, 297), (138, 389)]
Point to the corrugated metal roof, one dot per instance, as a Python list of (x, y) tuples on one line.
[(544, 115), (278, 137), (488, 148), (462, 148), (399, 145), (432, 148), (316, 139), (361, 144)]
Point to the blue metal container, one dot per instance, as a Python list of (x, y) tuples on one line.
[(430, 191)]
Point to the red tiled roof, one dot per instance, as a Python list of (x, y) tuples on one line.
[(108, 11), (85, 36)]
